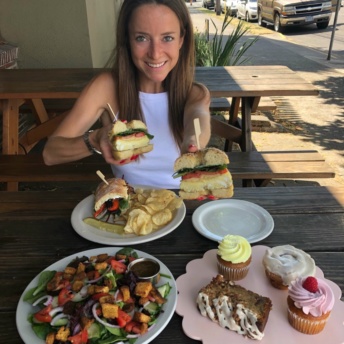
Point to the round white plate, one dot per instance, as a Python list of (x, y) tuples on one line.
[(218, 218), (24, 308), (85, 209)]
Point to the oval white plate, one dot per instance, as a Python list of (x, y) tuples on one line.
[(85, 209), (218, 218), (24, 308)]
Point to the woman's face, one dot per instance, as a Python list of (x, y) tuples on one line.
[(154, 33)]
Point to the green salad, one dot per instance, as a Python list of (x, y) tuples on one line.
[(95, 300)]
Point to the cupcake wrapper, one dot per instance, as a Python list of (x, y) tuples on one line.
[(304, 325), (232, 274)]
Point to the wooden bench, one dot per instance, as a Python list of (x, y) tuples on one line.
[(31, 168), (230, 129), (258, 166), (265, 166), (223, 104)]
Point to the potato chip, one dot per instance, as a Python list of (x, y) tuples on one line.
[(139, 222), (162, 217), (150, 210), (156, 206), (175, 204)]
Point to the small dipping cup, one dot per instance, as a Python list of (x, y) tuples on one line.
[(145, 269)]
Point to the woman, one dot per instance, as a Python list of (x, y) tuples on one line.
[(152, 80)]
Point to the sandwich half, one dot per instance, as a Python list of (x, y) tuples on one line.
[(129, 139), (111, 199), (204, 174)]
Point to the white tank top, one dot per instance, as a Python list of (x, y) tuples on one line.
[(154, 168)]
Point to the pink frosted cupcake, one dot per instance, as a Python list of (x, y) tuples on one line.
[(310, 302), (234, 256)]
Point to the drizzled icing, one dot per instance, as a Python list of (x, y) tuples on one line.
[(289, 263), (234, 249), (226, 315), (315, 304)]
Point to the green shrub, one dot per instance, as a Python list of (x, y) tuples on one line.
[(222, 49)]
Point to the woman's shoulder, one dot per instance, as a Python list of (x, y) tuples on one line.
[(104, 78), (199, 92), (102, 83)]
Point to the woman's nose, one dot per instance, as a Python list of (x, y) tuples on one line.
[(154, 50)]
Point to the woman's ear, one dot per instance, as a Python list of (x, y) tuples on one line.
[(181, 42)]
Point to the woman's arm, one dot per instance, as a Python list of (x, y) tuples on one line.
[(66, 143), (197, 106)]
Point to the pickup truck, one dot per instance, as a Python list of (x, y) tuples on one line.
[(287, 13)]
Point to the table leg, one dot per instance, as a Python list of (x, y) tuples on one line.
[(246, 111), (233, 118), (10, 124), (38, 110), (246, 140)]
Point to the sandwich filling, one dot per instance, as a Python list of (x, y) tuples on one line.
[(204, 174), (111, 199), (129, 139)]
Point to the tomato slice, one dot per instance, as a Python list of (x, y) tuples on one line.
[(99, 211), (99, 295), (79, 338), (115, 205), (123, 318), (133, 327), (43, 315), (198, 174), (119, 267), (65, 295)]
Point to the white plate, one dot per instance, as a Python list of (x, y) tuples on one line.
[(218, 218), (24, 308), (85, 209)]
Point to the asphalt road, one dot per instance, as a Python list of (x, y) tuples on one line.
[(307, 36)]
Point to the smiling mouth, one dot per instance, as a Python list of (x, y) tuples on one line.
[(156, 65)]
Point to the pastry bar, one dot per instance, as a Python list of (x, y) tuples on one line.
[(234, 307)]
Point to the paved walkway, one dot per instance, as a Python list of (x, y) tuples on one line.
[(308, 122)]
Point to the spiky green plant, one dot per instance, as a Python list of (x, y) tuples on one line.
[(223, 49)]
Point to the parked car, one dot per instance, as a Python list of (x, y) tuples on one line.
[(247, 9), (284, 13), (230, 6), (208, 3)]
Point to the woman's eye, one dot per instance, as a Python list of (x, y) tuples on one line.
[(168, 39), (140, 38)]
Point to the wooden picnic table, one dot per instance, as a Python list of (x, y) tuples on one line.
[(36, 231), (243, 83)]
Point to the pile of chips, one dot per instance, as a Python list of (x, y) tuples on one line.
[(150, 210)]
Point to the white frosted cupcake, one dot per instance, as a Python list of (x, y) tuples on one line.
[(283, 264), (234, 256)]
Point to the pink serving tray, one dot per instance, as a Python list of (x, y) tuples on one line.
[(199, 273)]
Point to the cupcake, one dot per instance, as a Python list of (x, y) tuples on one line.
[(234, 256), (310, 302), (283, 264)]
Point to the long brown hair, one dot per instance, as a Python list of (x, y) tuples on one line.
[(178, 83)]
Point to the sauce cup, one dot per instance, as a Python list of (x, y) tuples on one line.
[(146, 269)]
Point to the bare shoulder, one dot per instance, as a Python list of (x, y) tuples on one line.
[(104, 79), (199, 93)]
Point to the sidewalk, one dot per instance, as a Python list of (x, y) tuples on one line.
[(305, 122)]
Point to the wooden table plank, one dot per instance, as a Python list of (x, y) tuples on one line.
[(35, 231)]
